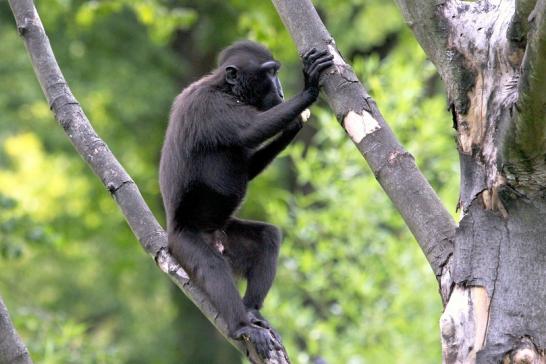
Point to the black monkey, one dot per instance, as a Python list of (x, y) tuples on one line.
[(213, 147)]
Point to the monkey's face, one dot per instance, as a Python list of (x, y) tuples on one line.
[(255, 83), (269, 86)]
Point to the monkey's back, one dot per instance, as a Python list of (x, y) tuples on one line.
[(203, 173)]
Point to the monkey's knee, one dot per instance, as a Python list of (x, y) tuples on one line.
[(174, 245), (272, 237), (186, 248)]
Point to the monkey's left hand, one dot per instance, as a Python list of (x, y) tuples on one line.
[(314, 62)]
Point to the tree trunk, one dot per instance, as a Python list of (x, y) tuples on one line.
[(492, 58)]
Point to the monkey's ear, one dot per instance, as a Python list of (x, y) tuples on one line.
[(231, 74)]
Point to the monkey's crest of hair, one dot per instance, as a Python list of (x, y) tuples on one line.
[(238, 49)]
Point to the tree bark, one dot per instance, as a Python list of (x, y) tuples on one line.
[(12, 348), (95, 152), (392, 165), (491, 55)]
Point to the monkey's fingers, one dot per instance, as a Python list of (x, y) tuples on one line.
[(308, 53), (313, 57), (318, 67), (263, 345), (322, 60)]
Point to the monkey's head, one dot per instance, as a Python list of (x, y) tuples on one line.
[(250, 72)]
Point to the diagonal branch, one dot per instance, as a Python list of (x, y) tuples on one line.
[(94, 150), (394, 167), (12, 349)]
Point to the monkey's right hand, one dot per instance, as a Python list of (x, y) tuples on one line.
[(314, 62), (260, 337)]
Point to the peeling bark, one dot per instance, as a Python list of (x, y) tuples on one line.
[(94, 150)]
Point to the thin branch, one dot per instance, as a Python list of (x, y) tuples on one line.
[(71, 117), (519, 26), (12, 348), (394, 167), (524, 148), (532, 84), (432, 29), (424, 19)]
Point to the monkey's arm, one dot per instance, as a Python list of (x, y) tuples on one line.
[(265, 155), (268, 123)]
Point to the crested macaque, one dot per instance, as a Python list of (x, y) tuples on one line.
[(225, 129)]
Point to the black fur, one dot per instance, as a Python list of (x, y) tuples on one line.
[(213, 147)]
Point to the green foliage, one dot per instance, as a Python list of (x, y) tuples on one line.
[(160, 20), (17, 230), (352, 285)]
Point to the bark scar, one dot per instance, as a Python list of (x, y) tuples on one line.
[(360, 125)]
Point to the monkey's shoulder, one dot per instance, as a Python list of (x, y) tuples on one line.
[(207, 116)]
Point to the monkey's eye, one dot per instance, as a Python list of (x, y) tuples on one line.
[(272, 72)]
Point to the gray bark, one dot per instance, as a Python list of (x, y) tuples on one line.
[(492, 56), (393, 166), (12, 348), (94, 150)]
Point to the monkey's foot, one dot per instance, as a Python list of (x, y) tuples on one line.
[(263, 342), (256, 318)]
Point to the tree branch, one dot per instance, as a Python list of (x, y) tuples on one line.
[(94, 150), (423, 17), (428, 21), (526, 139), (393, 166), (12, 349), (519, 26)]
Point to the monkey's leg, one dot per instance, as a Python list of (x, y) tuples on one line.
[(210, 271), (252, 248)]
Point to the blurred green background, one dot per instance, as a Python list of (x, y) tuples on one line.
[(352, 286)]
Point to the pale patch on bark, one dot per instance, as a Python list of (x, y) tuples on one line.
[(464, 324), (525, 353), (446, 281), (169, 265), (360, 125), (452, 331), (472, 127), (491, 199), (480, 303), (338, 60)]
